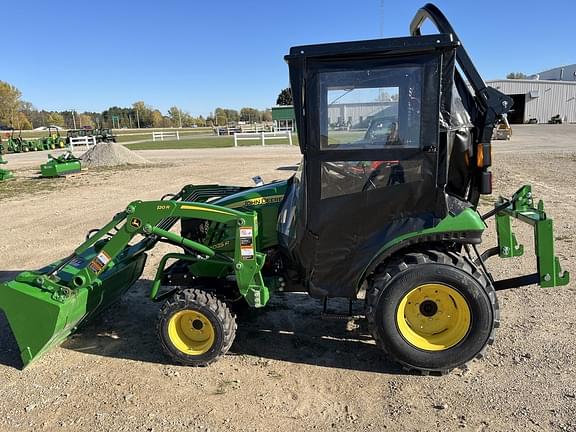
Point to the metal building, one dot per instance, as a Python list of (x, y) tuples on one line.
[(562, 73), (358, 115), (539, 99)]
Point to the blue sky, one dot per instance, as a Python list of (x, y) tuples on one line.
[(200, 55)]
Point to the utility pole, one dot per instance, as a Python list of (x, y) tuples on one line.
[(180, 117), (74, 119), (138, 119)]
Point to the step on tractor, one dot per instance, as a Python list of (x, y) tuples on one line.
[(383, 212)]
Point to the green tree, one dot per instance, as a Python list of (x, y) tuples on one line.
[(199, 121), (285, 97), (55, 119), (178, 117), (157, 119), (220, 117), (21, 121), (9, 103), (144, 113), (516, 75), (267, 115), (250, 115), (85, 120), (232, 115)]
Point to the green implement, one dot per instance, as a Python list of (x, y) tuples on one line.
[(44, 307), (4, 173), (60, 166)]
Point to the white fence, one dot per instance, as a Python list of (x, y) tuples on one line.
[(262, 137), (85, 140), (162, 134)]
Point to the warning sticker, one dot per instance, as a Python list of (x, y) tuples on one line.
[(246, 232), (99, 262), (246, 243), (247, 252)]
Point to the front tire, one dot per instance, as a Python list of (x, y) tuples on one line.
[(195, 328), (432, 311)]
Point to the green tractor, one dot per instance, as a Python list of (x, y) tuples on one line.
[(104, 135), (4, 173), (17, 144), (53, 141), (388, 217)]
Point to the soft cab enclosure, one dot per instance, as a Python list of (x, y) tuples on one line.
[(388, 131)]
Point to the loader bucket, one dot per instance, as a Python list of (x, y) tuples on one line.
[(39, 320)]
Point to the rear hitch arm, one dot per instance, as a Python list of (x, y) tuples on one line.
[(521, 207)]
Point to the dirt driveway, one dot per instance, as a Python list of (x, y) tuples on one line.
[(288, 370)]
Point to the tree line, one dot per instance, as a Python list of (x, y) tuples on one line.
[(20, 114)]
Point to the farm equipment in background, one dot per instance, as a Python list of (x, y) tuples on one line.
[(104, 135), (53, 141), (502, 129), (5, 174), (79, 133), (17, 144), (60, 166), (557, 119), (387, 217)]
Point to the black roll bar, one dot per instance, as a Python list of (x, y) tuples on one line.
[(491, 102)]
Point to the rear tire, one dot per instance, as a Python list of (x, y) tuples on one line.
[(432, 311), (195, 328)]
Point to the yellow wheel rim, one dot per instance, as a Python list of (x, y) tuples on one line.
[(191, 332), (433, 317)]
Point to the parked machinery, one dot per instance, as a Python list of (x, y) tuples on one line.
[(389, 218), (5, 174), (104, 135), (60, 166), (53, 141), (17, 144)]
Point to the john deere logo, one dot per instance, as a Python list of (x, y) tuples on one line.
[(136, 223)]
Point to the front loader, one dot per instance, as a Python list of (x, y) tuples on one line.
[(382, 211)]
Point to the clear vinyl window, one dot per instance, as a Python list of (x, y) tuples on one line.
[(349, 177), (370, 109)]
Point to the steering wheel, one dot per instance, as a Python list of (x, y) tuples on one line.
[(396, 176)]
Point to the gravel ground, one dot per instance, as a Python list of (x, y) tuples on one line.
[(288, 369)]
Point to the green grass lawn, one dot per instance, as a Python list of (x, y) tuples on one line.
[(122, 134), (203, 142)]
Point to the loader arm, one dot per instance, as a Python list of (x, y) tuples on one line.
[(43, 307)]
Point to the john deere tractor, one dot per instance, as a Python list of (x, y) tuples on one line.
[(53, 141), (383, 211)]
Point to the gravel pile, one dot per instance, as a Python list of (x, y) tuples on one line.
[(109, 155)]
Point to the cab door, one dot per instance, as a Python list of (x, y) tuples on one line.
[(371, 162)]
